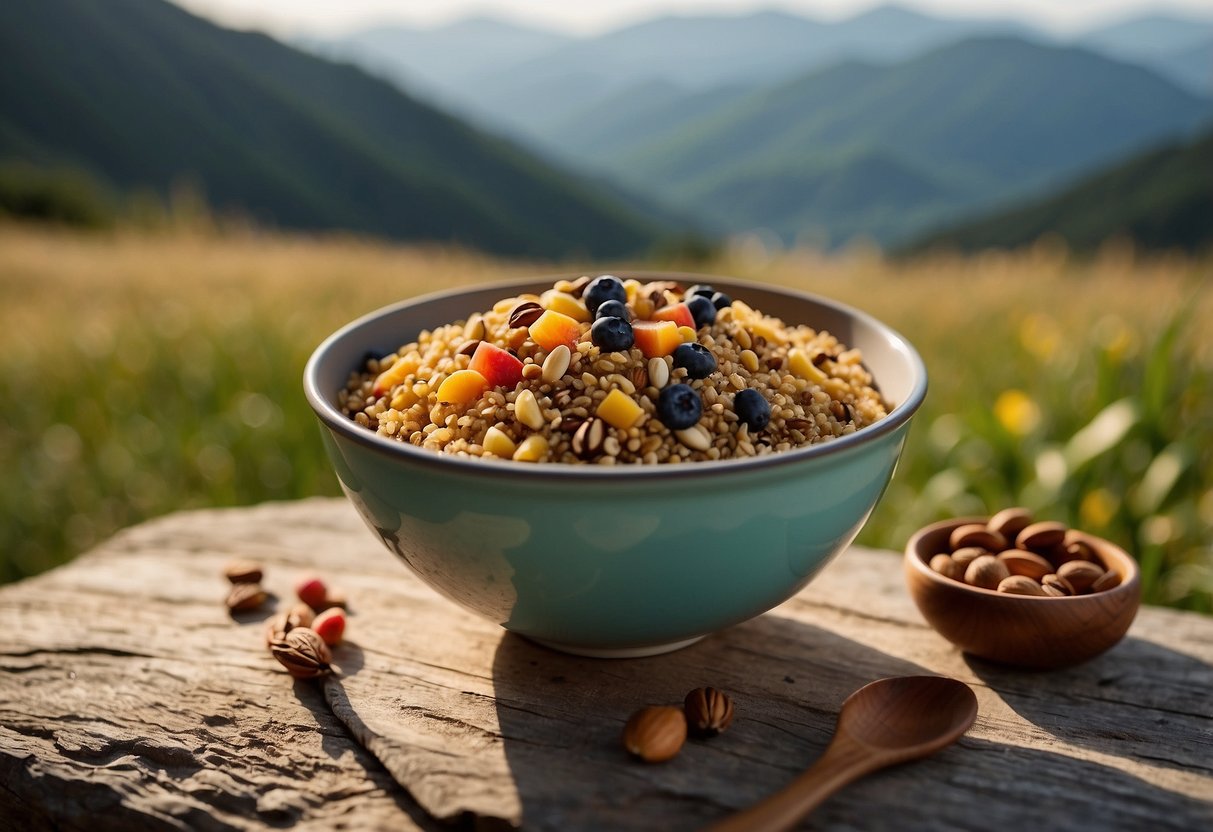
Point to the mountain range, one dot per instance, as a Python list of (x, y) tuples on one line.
[(144, 95), (885, 125), (1152, 199)]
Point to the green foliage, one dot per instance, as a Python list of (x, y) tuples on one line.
[(65, 197), (1109, 430), (1159, 200), (145, 94)]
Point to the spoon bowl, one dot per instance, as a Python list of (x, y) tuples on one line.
[(884, 723)]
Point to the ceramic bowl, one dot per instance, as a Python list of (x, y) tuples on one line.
[(622, 560), (1025, 631)]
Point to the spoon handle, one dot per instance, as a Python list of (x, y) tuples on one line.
[(843, 762)]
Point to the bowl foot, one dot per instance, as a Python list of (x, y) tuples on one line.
[(618, 652)]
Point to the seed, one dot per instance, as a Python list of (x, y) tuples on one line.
[(1058, 582), (1020, 585), (640, 377), (589, 438), (986, 572), (946, 566), (532, 449), (656, 733), (708, 711), (694, 437), (802, 425), (303, 653), (967, 554), (1027, 564), (243, 571), (556, 364), (976, 534), (749, 360), (498, 442), (474, 329), (1106, 581), (245, 597), (659, 372), (1041, 537), (611, 446), (531, 371), (1010, 522), (1081, 574), (742, 337), (526, 407), (525, 314)]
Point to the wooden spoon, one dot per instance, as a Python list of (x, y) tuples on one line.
[(887, 722)]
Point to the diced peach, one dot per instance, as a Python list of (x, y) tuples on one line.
[(565, 304), (619, 410), (462, 387), (395, 374), (553, 329), (679, 313), (499, 368), (656, 338)]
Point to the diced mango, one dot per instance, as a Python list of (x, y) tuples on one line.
[(656, 338), (565, 304), (462, 387), (553, 329), (802, 366), (395, 374), (532, 449), (498, 443), (619, 410), (679, 313)]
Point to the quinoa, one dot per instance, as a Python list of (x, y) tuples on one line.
[(817, 388)]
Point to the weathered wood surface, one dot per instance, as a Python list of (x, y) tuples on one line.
[(129, 699)]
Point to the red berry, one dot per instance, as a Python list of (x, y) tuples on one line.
[(330, 624), (312, 591)]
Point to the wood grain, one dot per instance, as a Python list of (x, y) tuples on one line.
[(130, 700)]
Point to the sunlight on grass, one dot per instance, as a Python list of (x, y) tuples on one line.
[(144, 374)]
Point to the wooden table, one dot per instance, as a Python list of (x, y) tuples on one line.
[(130, 699)]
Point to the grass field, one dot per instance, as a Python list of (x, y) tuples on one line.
[(140, 374)]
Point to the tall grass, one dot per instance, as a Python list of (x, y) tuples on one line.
[(144, 374)]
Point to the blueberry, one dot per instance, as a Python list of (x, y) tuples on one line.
[(601, 289), (699, 289), (702, 311), (696, 358), (613, 309), (752, 409), (720, 300), (612, 334), (679, 406)]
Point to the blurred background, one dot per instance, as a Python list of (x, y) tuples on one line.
[(193, 195)]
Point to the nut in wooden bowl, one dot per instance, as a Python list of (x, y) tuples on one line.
[(1016, 626)]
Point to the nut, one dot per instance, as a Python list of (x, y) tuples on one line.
[(1106, 581), (243, 571), (556, 364), (245, 597), (1020, 585), (708, 711), (946, 566), (975, 534), (640, 377), (1081, 574), (1041, 537), (656, 733), (531, 371), (986, 572), (587, 441), (525, 314), (303, 653), (659, 372), (1028, 564), (467, 348), (474, 329), (1057, 582), (966, 555), (300, 615), (1010, 522), (526, 408), (1076, 550)]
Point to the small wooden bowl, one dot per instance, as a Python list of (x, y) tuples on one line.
[(1022, 630)]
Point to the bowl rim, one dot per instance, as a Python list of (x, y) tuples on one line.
[(913, 557), (332, 418)]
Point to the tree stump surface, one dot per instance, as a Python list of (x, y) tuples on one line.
[(130, 699)]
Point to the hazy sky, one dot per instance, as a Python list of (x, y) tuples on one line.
[(329, 16)]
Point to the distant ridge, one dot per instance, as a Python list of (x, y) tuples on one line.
[(1161, 199), (144, 94)]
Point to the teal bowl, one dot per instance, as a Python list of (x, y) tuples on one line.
[(615, 560)]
